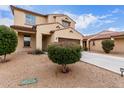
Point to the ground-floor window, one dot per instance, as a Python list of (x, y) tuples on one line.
[(27, 40)]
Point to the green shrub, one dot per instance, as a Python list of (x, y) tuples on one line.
[(85, 49), (36, 52), (8, 41), (64, 53), (107, 45)]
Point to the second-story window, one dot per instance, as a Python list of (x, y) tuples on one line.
[(65, 23), (30, 19)]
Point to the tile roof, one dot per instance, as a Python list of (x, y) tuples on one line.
[(118, 34), (28, 29), (104, 35), (87, 37)]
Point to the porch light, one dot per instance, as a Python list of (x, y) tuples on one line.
[(112, 38), (66, 18)]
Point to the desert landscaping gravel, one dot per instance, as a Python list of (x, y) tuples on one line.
[(24, 66)]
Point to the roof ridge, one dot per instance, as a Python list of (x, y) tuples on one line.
[(14, 7), (107, 35), (106, 31), (49, 23)]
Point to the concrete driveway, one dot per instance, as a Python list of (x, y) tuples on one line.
[(108, 62)]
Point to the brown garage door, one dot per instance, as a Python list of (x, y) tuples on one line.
[(69, 40)]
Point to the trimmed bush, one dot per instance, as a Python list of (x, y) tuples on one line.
[(8, 41), (107, 45), (85, 49), (64, 53), (36, 52)]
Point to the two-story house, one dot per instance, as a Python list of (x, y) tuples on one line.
[(37, 31)]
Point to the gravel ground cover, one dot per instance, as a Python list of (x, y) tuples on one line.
[(24, 66)]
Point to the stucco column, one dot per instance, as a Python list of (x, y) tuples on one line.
[(38, 41), (81, 44), (17, 48), (88, 44)]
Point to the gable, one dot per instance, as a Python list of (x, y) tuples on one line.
[(63, 16), (68, 33)]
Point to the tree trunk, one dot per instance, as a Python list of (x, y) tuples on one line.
[(4, 59), (64, 68)]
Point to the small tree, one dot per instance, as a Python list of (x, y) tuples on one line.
[(107, 45), (64, 53), (8, 41)]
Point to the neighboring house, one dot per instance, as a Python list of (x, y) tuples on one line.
[(93, 42), (37, 31)]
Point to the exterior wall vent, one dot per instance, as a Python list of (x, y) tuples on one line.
[(66, 18), (71, 31), (58, 27)]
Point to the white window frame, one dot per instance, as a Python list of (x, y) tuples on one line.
[(30, 19), (27, 38)]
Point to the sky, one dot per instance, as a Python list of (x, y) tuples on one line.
[(90, 19)]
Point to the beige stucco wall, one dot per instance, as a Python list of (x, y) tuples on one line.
[(20, 46), (65, 33), (45, 29), (51, 19), (97, 47), (19, 18), (119, 46)]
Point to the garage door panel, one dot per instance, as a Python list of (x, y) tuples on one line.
[(69, 40)]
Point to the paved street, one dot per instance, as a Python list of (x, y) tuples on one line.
[(108, 62)]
